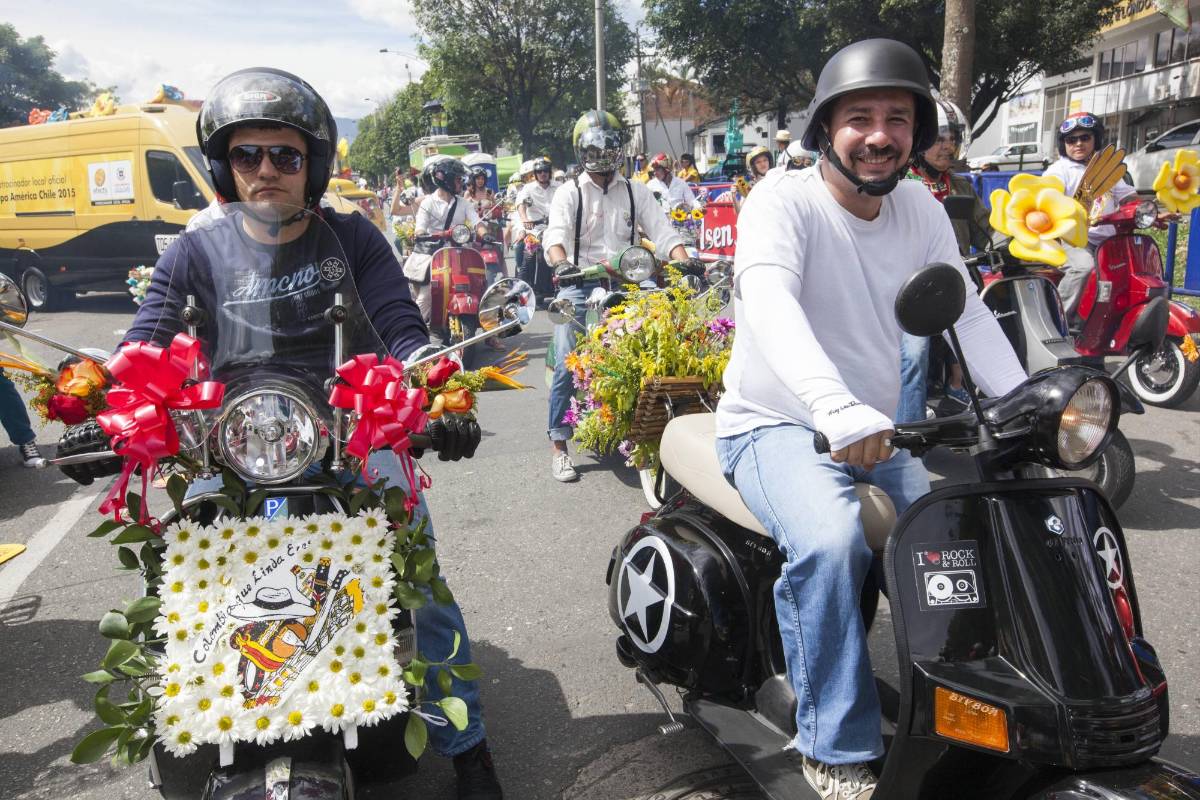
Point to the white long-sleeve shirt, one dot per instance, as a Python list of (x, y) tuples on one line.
[(1070, 172), (431, 214), (678, 193), (817, 343), (606, 225), (536, 199)]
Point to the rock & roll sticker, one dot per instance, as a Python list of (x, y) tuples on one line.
[(948, 575)]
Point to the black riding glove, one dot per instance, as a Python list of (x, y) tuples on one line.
[(454, 436), (87, 437)]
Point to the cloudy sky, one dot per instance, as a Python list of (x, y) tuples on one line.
[(137, 44)]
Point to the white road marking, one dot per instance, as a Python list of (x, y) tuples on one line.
[(15, 572)]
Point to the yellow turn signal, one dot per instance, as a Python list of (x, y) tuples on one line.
[(965, 719)]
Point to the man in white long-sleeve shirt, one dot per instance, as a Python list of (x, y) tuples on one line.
[(821, 255), (673, 192), (1079, 136), (593, 218)]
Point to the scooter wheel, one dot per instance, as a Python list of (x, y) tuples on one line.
[(1164, 378), (1114, 472)]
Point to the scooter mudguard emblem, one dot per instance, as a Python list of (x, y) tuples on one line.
[(646, 593), (1110, 554)]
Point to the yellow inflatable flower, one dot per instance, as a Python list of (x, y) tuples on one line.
[(1038, 216), (1178, 185)]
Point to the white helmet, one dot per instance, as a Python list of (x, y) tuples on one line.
[(952, 123), (526, 169)]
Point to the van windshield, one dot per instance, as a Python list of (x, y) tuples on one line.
[(197, 159)]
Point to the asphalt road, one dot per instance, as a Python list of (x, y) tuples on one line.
[(526, 557)]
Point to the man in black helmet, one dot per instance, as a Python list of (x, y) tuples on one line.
[(821, 255), (268, 140)]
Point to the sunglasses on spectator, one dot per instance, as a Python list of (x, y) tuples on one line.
[(1071, 123), (247, 157), (1078, 138)]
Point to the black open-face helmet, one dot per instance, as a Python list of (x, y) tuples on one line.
[(266, 97), (442, 171), (871, 64), (1080, 122)]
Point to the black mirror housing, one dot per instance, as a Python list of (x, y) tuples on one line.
[(931, 300)]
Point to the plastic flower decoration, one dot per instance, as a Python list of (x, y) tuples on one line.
[(1178, 184), (679, 215), (697, 214), (1039, 217)]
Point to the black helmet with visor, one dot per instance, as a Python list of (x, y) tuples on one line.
[(266, 97), (872, 64)]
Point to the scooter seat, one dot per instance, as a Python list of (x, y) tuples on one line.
[(689, 455)]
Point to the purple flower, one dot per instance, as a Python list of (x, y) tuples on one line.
[(625, 448), (721, 326), (573, 415)]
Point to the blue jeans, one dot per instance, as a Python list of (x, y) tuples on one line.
[(562, 385), (914, 369), (435, 623), (13, 414), (808, 504)]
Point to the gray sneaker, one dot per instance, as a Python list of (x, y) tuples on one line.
[(32, 456), (563, 468), (839, 781)]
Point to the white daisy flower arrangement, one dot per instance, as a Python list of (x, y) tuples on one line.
[(274, 629)]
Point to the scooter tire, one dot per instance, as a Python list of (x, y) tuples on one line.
[(1116, 470), (470, 355), (717, 783), (1170, 395)]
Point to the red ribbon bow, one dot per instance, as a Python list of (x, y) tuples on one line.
[(388, 409), (151, 382)]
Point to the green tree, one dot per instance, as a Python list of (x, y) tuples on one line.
[(521, 69), (768, 54), (28, 79)]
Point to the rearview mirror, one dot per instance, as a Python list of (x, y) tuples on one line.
[(13, 309), (561, 311), (506, 300), (1153, 147), (959, 206), (931, 300)]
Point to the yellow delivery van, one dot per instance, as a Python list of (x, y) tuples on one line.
[(85, 200)]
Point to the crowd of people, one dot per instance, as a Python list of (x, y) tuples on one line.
[(830, 227)]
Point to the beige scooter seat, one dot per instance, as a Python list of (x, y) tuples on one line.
[(689, 455)]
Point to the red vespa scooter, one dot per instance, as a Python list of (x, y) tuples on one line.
[(1125, 286), (457, 278)]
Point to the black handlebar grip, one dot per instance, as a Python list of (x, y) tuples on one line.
[(820, 443)]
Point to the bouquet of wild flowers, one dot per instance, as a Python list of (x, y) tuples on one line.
[(405, 231), (139, 282), (669, 333), (687, 221)]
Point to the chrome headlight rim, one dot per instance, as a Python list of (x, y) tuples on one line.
[(636, 264), (1107, 414), (320, 441), (460, 234), (1145, 214)]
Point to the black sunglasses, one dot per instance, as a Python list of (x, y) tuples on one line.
[(247, 157)]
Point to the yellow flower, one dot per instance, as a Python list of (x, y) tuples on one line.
[(697, 214), (1039, 217), (679, 215), (1178, 185)]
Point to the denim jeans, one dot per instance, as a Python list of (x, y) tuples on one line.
[(808, 504), (435, 623), (914, 369), (519, 256), (562, 385), (13, 414)]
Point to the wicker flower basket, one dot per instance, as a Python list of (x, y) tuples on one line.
[(665, 398)]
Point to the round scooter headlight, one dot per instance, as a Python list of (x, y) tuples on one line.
[(1145, 214), (1085, 423), (460, 234), (636, 264), (269, 436)]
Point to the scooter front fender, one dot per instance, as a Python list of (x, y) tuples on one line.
[(1183, 320)]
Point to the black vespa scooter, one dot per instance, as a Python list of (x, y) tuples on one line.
[(1023, 669)]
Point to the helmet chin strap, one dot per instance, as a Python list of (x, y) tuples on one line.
[(873, 188)]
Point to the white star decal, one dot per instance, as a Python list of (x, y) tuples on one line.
[(1106, 547), (642, 593)]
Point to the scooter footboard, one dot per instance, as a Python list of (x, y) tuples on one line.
[(1017, 627)]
